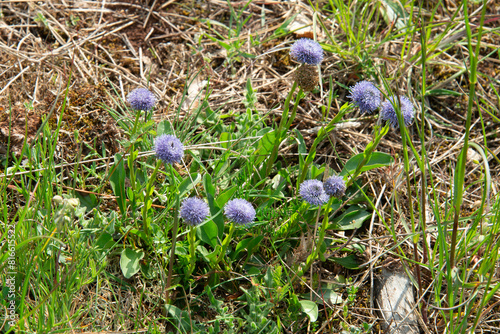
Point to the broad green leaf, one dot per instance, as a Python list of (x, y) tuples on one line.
[(310, 308), (225, 138), (129, 262), (348, 262), (103, 245), (248, 244), (265, 146), (207, 184), (164, 127), (208, 233), (377, 159), (351, 219), (181, 319), (326, 294), (225, 196)]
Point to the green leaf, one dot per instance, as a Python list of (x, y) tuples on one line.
[(117, 180), (327, 295), (225, 196), (348, 262), (377, 159), (310, 308), (103, 245), (208, 233), (247, 55), (442, 92), (189, 183), (129, 262), (164, 127), (248, 244), (265, 146), (181, 320), (225, 138), (351, 219), (458, 180), (207, 184)]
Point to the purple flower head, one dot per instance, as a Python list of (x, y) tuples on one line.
[(335, 186), (313, 193), (307, 51), (389, 114), (366, 96), (239, 211), (194, 210), (169, 149), (141, 99)]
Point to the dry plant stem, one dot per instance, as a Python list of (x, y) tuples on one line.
[(174, 240)]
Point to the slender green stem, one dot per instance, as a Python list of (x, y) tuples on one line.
[(322, 133), (225, 244), (322, 232), (473, 54), (192, 248), (279, 137), (147, 202), (367, 154), (174, 239), (294, 111), (132, 155)]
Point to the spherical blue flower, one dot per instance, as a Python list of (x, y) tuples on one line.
[(141, 99), (239, 211), (335, 186), (389, 114), (169, 149), (307, 51), (366, 96), (194, 210), (313, 193)]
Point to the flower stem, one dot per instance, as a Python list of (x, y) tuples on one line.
[(225, 244), (192, 255), (279, 131), (147, 202), (322, 232), (174, 240)]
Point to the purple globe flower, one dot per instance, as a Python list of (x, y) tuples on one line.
[(307, 51), (335, 186), (313, 193), (389, 114), (194, 211), (169, 149), (141, 99), (239, 211), (366, 96)]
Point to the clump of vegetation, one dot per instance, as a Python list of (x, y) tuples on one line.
[(295, 184)]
